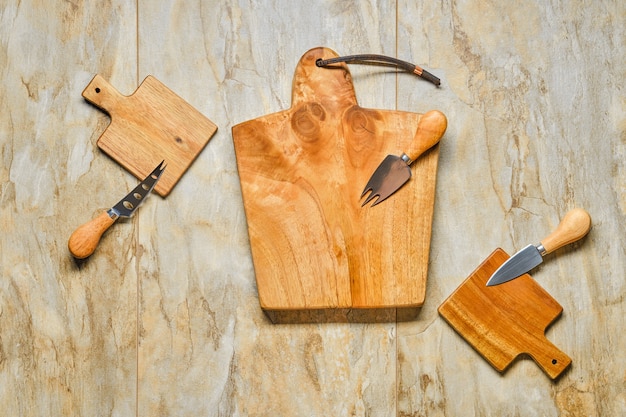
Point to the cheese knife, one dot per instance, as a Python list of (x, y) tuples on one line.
[(85, 239), (395, 170), (573, 227)]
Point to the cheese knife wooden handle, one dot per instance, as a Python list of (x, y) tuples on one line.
[(85, 239), (574, 226), (430, 129)]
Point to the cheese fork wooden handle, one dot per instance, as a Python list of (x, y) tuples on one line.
[(574, 226), (431, 127), (85, 239)]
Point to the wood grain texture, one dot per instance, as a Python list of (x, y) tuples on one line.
[(205, 345), (505, 321), (302, 172), (165, 320), (150, 125)]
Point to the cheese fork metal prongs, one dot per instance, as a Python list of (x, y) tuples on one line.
[(394, 171), (85, 239)]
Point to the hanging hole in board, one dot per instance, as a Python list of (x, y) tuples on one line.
[(97, 89), (554, 361)]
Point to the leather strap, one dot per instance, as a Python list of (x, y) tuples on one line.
[(373, 59)]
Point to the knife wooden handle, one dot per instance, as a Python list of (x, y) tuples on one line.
[(430, 129), (84, 240), (574, 226)]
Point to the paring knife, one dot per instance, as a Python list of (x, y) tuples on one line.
[(574, 226), (85, 239), (394, 170)]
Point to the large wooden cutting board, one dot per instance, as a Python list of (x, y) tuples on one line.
[(149, 126), (302, 171), (505, 321)]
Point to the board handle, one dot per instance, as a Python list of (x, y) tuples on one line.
[(430, 128), (574, 226), (102, 94), (85, 239), (550, 358)]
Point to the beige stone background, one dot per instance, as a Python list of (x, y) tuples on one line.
[(164, 319)]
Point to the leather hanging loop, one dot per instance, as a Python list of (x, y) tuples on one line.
[(373, 59)]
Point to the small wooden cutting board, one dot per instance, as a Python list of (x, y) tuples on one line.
[(149, 126), (302, 172), (504, 321)]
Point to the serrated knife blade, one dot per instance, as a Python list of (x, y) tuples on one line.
[(85, 239)]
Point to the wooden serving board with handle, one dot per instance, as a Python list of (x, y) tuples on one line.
[(151, 125), (505, 321), (302, 172)]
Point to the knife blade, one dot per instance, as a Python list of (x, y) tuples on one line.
[(573, 227), (395, 170), (85, 238)]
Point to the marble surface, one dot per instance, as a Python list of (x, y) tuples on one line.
[(164, 319)]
